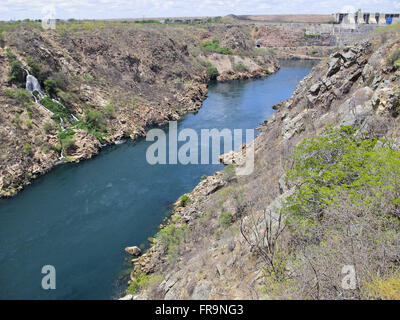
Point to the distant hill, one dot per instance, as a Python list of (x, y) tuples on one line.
[(313, 18)]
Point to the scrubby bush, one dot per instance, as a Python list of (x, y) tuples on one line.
[(23, 96), (229, 172), (50, 86), (16, 75), (185, 199), (66, 139), (28, 123), (59, 110), (55, 85), (94, 120), (339, 161), (393, 57), (170, 238), (95, 123), (143, 281), (212, 72), (28, 149), (225, 219), (109, 110), (39, 72), (345, 210), (240, 67), (214, 46), (47, 127)]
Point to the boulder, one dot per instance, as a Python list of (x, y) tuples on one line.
[(315, 88), (334, 66), (134, 251)]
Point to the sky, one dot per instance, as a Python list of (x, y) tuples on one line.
[(108, 9)]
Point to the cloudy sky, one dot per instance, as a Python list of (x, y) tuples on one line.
[(98, 9)]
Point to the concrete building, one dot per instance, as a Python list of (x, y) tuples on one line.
[(367, 18)]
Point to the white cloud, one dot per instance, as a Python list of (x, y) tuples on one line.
[(98, 9)]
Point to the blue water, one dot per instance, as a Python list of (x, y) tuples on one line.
[(80, 217)]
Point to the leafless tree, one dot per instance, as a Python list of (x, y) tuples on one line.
[(262, 233)]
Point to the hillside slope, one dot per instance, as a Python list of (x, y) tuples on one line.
[(216, 244)]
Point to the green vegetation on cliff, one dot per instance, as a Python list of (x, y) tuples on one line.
[(214, 46), (345, 210)]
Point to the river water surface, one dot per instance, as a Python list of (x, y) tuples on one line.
[(80, 217)]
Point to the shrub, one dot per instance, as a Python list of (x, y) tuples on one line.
[(345, 207), (328, 164), (94, 120), (203, 177), (212, 72), (56, 148), (67, 98), (95, 123), (47, 127), (59, 110), (170, 237), (28, 123), (28, 149), (10, 55), (240, 67), (185, 199), (36, 70), (66, 139), (16, 74), (50, 86), (109, 110), (225, 219), (55, 85), (229, 172), (23, 96), (17, 119), (393, 57), (143, 281), (213, 46), (68, 144)]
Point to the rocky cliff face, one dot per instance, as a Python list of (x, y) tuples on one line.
[(117, 78), (358, 85)]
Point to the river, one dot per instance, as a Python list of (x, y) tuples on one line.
[(80, 217)]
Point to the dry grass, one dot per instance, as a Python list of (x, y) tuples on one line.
[(383, 288)]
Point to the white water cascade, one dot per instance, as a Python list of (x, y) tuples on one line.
[(32, 85)]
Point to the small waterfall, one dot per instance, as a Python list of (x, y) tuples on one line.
[(32, 85), (62, 155), (62, 124)]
